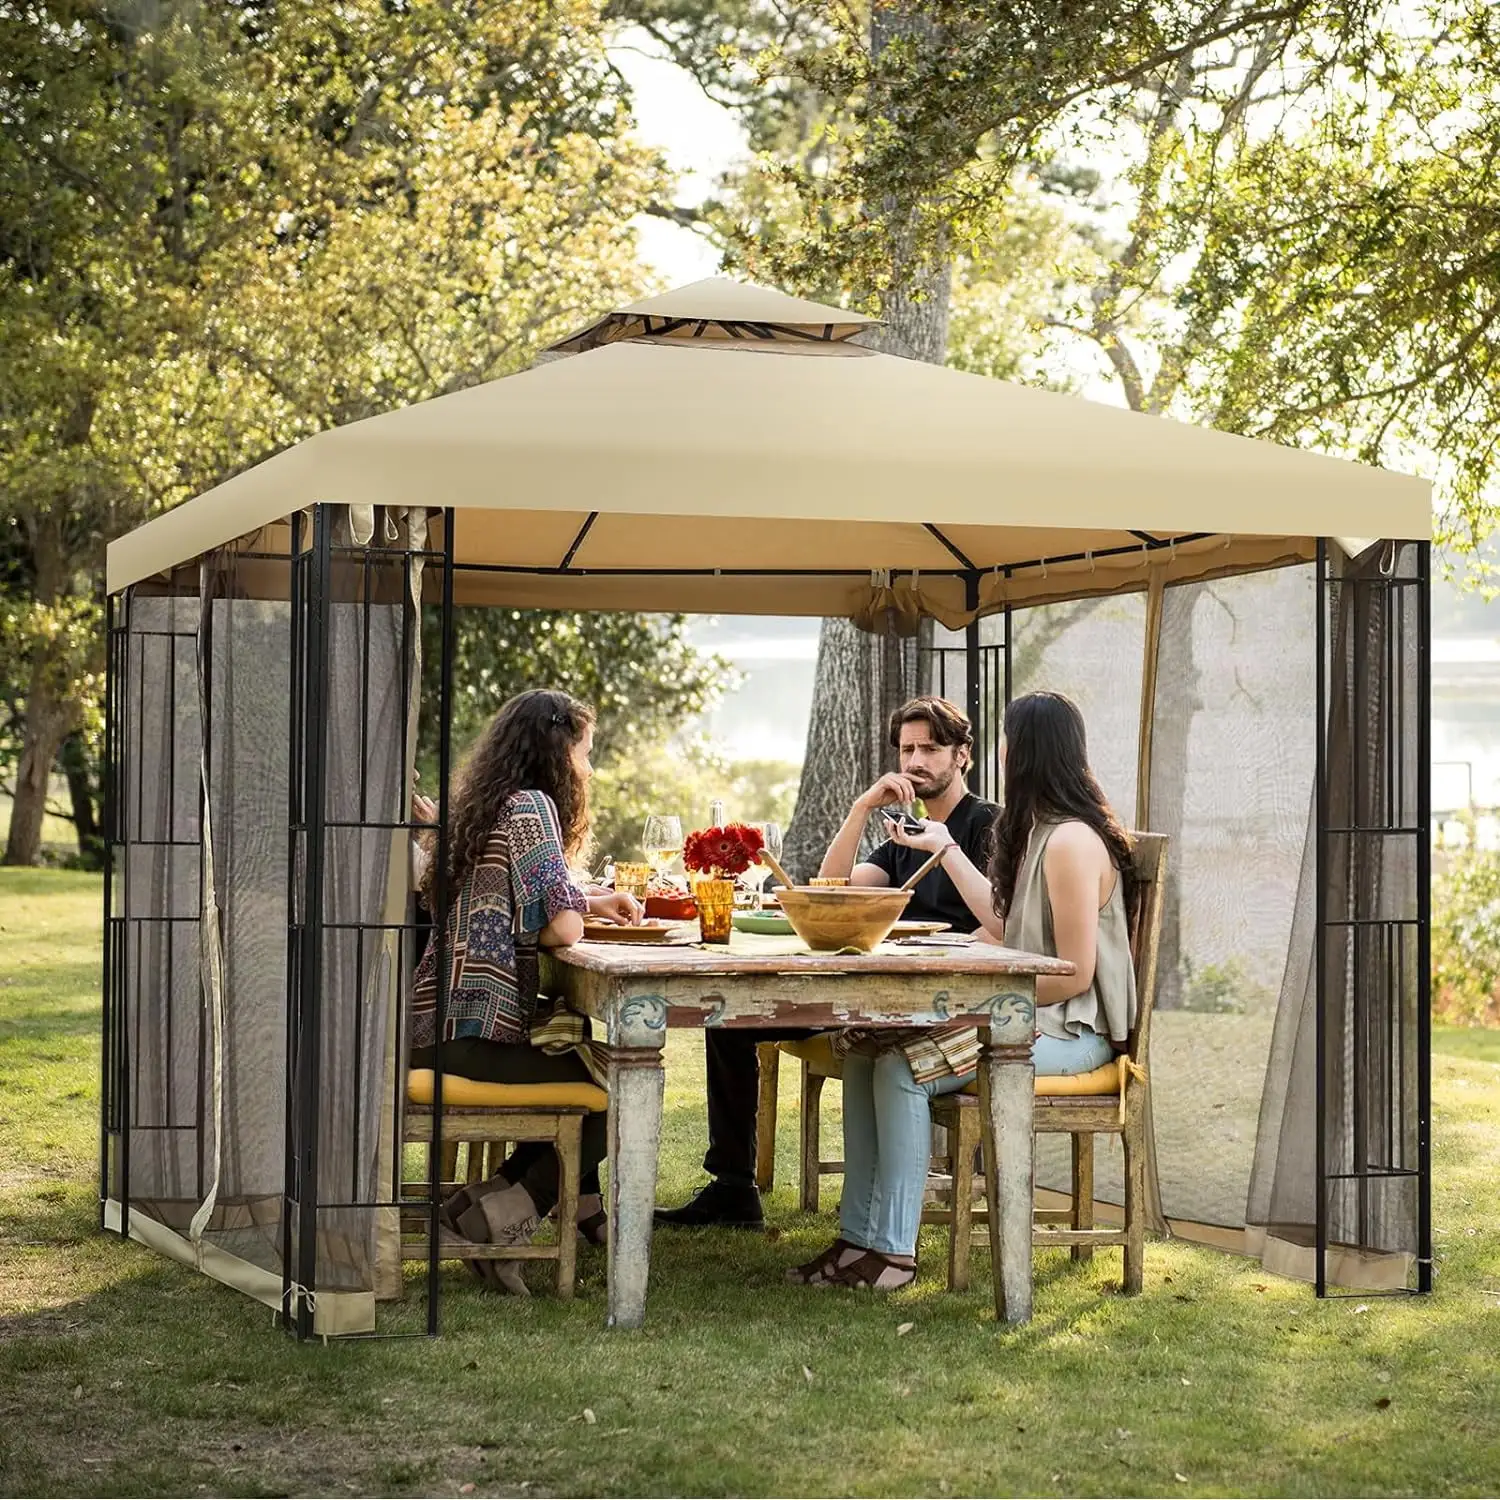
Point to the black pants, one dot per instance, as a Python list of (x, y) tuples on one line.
[(734, 1098), (533, 1163)]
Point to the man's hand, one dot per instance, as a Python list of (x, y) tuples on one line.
[(618, 907), (423, 809), (892, 788)]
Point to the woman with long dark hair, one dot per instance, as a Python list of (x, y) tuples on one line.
[(519, 817), (1058, 884)]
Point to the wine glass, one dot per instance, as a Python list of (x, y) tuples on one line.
[(757, 875), (662, 841)]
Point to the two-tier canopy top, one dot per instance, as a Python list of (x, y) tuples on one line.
[(727, 448)]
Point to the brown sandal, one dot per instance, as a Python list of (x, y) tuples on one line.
[(593, 1224), (822, 1270), (874, 1272)]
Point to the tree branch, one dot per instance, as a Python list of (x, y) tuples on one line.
[(1396, 388)]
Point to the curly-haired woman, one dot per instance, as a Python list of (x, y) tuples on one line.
[(519, 815)]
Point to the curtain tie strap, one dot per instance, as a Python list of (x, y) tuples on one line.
[(1128, 1070)]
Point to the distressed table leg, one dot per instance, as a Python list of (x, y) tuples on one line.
[(635, 1098), (1006, 1082)]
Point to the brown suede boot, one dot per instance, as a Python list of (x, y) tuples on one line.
[(506, 1217)]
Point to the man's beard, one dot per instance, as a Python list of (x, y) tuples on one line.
[(934, 786)]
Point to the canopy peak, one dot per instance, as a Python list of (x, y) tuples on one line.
[(720, 308)]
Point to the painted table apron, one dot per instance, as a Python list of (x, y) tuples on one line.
[(634, 993)]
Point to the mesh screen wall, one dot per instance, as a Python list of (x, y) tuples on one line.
[(256, 714), (259, 738), (1234, 778), (1342, 1170)]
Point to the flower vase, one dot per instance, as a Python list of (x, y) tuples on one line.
[(715, 900)]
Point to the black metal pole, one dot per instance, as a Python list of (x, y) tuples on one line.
[(1361, 600), (129, 936), (1424, 917), (1320, 927), (310, 1029), (205, 666), (443, 954), (973, 685), (107, 985), (296, 769), (1009, 654)]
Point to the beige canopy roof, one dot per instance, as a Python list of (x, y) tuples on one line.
[(726, 448)]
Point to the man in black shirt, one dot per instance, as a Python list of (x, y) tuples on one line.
[(934, 742)]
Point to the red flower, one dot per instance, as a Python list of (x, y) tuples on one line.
[(722, 851)]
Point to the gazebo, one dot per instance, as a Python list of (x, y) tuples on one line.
[(725, 448)]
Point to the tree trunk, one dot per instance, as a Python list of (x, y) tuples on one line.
[(49, 720), (861, 679), (75, 766), (840, 760)]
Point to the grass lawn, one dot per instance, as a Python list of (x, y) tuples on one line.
[(121, 1374)]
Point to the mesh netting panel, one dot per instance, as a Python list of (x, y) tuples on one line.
[(362, 725), (250, 645), (162, 746), (1232, 768), (1372, 989), (365, 765), (1092, 651)]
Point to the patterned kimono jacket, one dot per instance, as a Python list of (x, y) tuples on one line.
[(518, 886)]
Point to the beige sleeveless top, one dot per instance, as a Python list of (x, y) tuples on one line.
[(1108, 1004)]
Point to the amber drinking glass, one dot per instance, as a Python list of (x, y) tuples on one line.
[(715, 900)]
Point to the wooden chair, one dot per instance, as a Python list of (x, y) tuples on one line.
[(1109, 1101), (486, 1117)]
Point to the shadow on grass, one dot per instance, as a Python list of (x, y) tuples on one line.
[(62, 1001), (1474, 1043)]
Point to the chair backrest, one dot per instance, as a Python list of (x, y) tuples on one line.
[(1149, 868)]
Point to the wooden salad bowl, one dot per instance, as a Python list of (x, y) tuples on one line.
[(830, 918)]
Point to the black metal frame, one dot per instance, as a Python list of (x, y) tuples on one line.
[(114, 1094), (1372, 971), (323, 569), (984, 672), (314, 570), (122, 818)]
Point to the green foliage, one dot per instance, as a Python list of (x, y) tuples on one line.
[(1296, 237), (1223, 989), (639, 673), (1466, 939), (225, 227), (683, 778), (934, 104)]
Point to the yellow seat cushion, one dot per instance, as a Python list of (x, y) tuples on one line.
[(1105, 1079), (471, 1093)]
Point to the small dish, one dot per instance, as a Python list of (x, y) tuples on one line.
[(645, 932), (766, 923)]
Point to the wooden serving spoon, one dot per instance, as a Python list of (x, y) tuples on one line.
[(767, 858)]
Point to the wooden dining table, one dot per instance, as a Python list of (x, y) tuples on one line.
[(635, 993)]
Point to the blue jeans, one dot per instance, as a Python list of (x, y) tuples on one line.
[(887, 1136)]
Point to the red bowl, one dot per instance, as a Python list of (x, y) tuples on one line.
[(673, 908)]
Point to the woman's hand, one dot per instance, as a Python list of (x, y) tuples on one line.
[(616, 906), (423, 809), (933, 836)]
